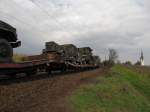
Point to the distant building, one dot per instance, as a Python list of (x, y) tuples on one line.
[(142, 59)]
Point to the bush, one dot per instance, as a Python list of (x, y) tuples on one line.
[(108, 63), (128, 63)]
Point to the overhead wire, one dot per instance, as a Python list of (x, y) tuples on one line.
[(43, 10), (28, 26), (13, 17), (35, 2), (47, 13)]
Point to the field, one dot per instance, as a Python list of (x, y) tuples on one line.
[(123, 89)]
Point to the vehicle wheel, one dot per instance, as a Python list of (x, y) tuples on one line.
[(12, 76), (63, 68), (31, 73), (49, 71), (6, 51)]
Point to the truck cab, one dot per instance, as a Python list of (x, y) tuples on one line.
[(8, 41)]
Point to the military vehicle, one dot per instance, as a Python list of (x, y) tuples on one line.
[(8, 41), (70, 52), (85, 55), (51, 47), (85, 50)]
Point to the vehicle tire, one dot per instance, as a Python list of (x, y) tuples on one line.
[(6, 51), (31, 73), (49, 71), (63, 68), (12, 76)]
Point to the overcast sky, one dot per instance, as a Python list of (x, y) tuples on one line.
[(101, 24)]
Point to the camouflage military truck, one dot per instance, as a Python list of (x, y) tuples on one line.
[(85, 55), (51, 47), (70, 52), (8, 41)]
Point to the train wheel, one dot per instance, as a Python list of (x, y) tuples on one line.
[(31, 73), (49, 71), (12, 76), (6, 51), (63, 68)]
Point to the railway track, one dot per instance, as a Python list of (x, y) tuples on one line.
[(22, 77)]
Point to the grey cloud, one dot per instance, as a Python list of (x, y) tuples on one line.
[(101, 24)]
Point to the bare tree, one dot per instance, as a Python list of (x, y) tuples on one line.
[(113, 55)]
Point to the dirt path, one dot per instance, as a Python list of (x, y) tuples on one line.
[(42, 95)]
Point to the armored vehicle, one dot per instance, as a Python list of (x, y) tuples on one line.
[(51, 47), (85, 50), (85, 55), (8, 41), (70, 52)]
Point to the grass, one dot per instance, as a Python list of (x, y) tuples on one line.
[(19, 57), (121, 90), (140, 81)]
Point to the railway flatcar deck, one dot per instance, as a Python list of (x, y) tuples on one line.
[(25, 67), (53, 58)]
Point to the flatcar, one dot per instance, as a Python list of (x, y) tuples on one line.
[(53, 58)]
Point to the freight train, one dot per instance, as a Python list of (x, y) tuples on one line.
[(54, 57)]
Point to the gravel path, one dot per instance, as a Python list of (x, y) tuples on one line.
[(42, 93)]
